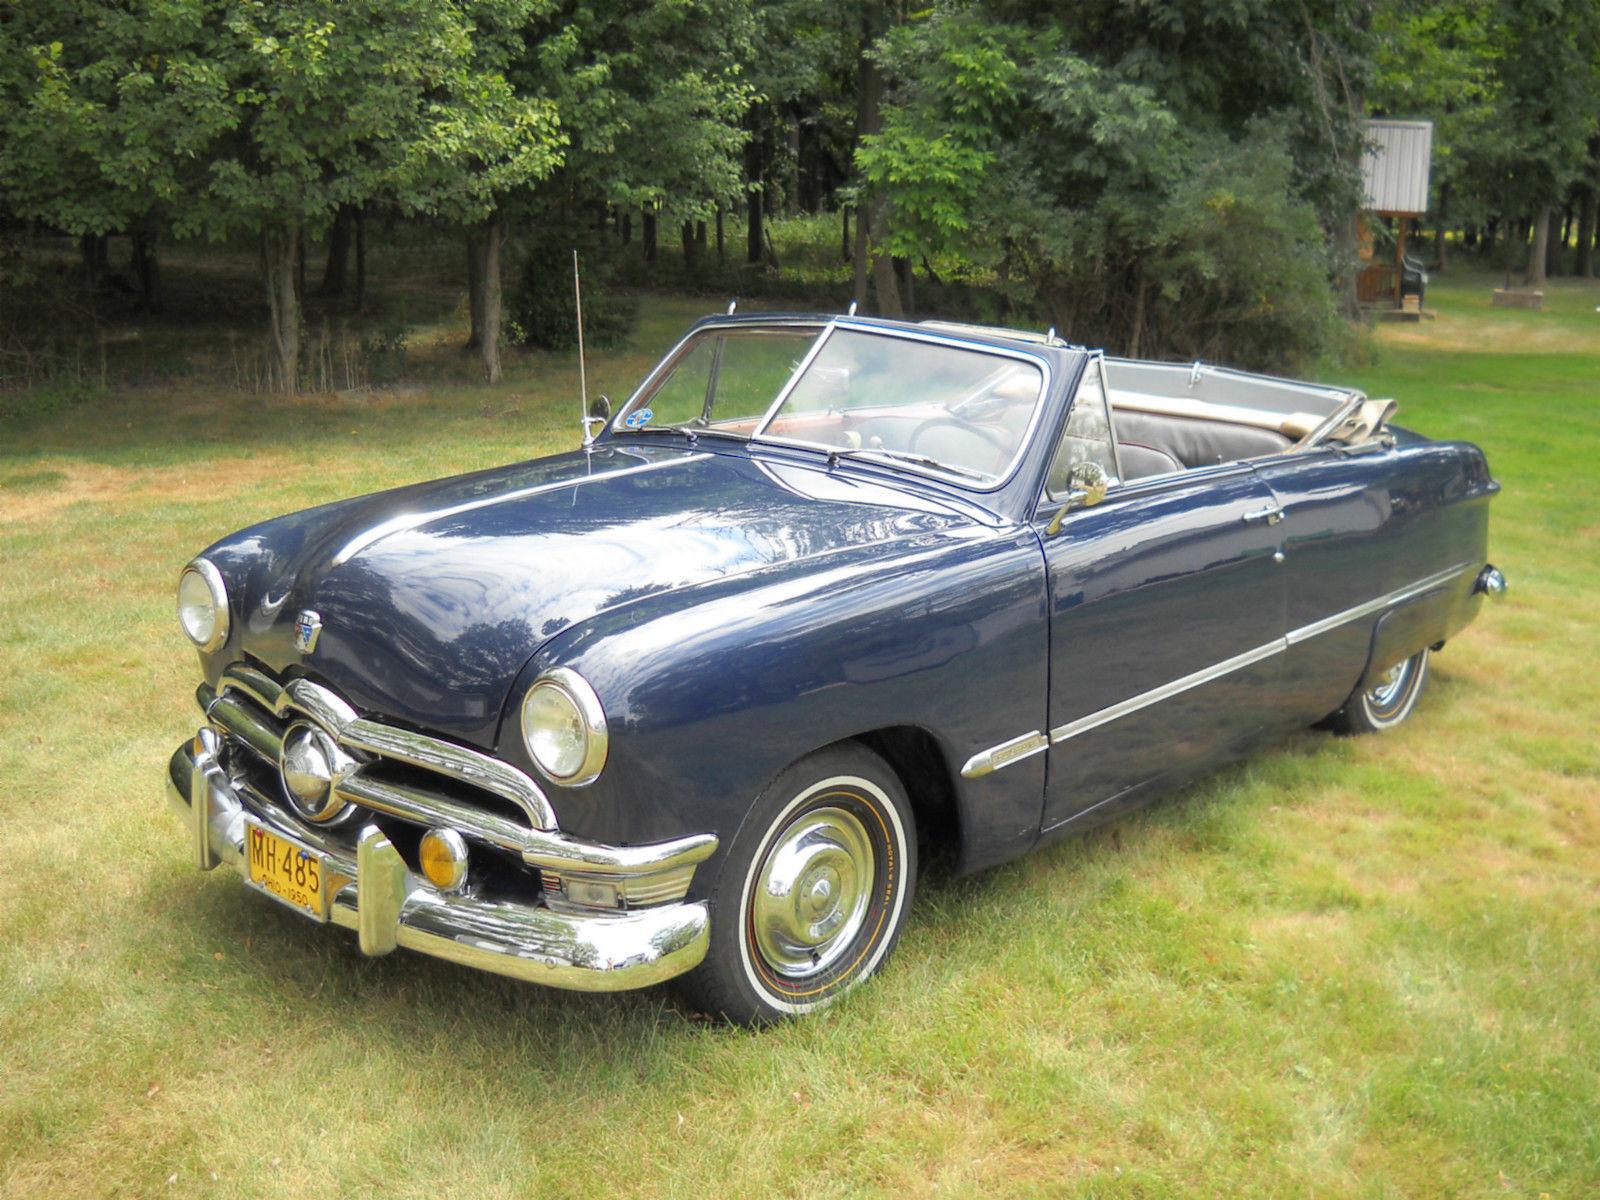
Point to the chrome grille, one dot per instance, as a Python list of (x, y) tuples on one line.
[(420, 779), (426, 781)]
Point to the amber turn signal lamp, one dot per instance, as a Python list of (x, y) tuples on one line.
[(443, 857)]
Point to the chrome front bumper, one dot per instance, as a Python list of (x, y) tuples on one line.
[(388, 905)]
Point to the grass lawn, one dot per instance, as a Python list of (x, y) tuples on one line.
[(1361, 967)]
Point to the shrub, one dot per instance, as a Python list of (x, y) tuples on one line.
[(541, 310)]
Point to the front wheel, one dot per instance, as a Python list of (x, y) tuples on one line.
[(1388, 701), (812, 893)]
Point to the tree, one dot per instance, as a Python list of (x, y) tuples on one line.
[(651, 97), (107, 116), (339, 104), (1434, 60), (1109, 183), (1545, 69), (215, 119)]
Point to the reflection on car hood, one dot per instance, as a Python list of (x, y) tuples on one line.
[(432, 597)]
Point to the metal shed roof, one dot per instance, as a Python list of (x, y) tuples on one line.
[(1394, 168)]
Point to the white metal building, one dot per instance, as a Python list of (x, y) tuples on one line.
[(1394, 169)]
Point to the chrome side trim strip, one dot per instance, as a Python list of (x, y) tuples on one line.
[(407, 521), (1167, 690), (1371, 606), (1018, 748), (1006, 753)]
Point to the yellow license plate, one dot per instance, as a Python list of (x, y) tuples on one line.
[(285, 871)]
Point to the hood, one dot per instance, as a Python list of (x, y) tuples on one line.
[(433, 597)]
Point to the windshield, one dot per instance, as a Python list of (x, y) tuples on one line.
[(721, 381), (961, 411), (964, 411)]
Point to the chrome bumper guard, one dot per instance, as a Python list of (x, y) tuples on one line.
[(377, 895)]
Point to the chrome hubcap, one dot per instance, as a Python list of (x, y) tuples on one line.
[(1389, 685), (812, 891)]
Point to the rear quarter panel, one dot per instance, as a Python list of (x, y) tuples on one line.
[(1366, 523)]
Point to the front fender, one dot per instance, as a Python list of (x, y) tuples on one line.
[(711, 691)]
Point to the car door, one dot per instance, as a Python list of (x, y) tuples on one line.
[(1166, 609)]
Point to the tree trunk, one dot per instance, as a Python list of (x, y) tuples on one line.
[(647, 234), (625, 227), (361, 258), (721, 254), (1136, 325), (336, 271), (1541, 248), (491, 238), (474, 294), (844, 233), (700, 238), (754, 238), (691, 249), (300, 269), (858, 254), (870, 216), (886, 287), (147, 267), (95, 256), (1441, 242), (1587, 214), (281, 252)]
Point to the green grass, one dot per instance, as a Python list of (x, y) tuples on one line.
[(1344, 968)]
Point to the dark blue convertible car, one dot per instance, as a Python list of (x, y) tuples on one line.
[(825, 594)]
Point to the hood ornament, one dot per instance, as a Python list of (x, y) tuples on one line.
[(306, 628)]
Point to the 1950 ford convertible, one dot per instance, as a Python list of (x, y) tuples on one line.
[(683, 703)]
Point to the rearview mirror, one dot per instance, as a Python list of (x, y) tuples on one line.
[(600, 408)]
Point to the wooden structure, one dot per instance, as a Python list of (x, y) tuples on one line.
[(1394, 182)]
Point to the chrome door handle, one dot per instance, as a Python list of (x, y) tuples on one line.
[(1271, 515)]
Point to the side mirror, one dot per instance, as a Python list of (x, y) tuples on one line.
[(1086, 486), (599, 413)]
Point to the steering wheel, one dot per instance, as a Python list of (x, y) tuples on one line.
[(932, 424)]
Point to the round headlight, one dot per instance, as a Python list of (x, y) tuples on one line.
[(564, 728), (203, 605)]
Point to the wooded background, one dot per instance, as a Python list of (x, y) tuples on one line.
[(1165, 178)]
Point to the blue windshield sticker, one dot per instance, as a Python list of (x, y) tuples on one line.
[(639, 419)]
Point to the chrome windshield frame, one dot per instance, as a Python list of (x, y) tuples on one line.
[(670, 360)]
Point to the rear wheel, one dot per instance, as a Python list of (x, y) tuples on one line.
[(812, 893), (1388, 701)]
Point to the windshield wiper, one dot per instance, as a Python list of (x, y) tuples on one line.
[(922, 460)]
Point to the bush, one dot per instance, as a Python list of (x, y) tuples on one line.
[(541, 311)]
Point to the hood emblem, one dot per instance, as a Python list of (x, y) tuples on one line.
[(306, 628)]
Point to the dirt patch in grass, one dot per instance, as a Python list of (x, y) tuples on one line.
[(57, 484)]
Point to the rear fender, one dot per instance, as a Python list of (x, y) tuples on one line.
[(1423, 621)]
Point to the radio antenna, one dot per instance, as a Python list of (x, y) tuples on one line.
[(583, 374)]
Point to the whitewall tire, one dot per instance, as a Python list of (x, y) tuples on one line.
[(812, 894)]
